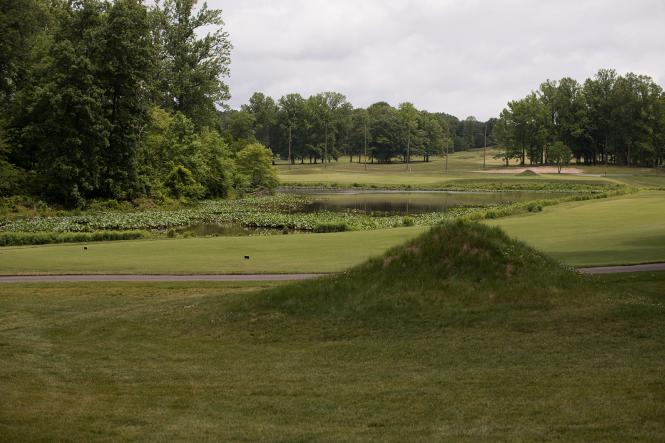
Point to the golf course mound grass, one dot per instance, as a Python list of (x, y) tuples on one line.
[(458, 263), (527, 173)]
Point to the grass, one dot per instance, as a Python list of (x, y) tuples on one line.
[(447, 338), (301, 253), (621, 230), (462, 165)]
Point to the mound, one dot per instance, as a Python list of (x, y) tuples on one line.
[(455, 263), (527, 173)]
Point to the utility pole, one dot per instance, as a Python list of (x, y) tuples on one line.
[(408, 150), (290, 160), (365, 143), (485, 146), (325, 146)]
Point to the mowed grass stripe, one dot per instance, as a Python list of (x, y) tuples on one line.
[(623, 230), (315, 253)]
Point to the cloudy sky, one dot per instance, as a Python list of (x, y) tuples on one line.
[(464, 57)]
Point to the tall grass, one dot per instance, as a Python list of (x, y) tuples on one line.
[(43, 238)]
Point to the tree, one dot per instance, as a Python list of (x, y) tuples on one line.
[(63, 123), (567, 119), (255, 167), (359, 135), (238, 129), (559, 154), (409, 119), (191, 67), (435, 137), (126, 65), (523, 129), (264, 110), (599, 95), (292, 121), (385, 128)]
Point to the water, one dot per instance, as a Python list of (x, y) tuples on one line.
[(403, 203), (377, 203)]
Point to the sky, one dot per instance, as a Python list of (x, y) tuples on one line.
[(463, 57)]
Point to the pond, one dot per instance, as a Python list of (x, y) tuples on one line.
[(403, 203)]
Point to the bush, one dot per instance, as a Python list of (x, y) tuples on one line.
[(331, 227), (254, 164), (181, 183)]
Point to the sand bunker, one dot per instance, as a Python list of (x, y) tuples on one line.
[(536, 169)]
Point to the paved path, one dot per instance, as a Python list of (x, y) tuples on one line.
[(153, 278), (625, 268), (254, 277)]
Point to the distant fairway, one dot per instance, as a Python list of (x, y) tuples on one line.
[(622, 230), (464, 165)]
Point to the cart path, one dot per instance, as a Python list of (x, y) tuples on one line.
[(624, 268), (253, 277), (153, 278)]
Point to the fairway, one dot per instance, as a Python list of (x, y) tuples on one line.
[(464, 166), (621, 230), (301, 253)]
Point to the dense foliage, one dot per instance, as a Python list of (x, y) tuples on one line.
[(116, 100), (611, 118)]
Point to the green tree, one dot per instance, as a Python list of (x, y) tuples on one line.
[(293, 126), (63, 123), (599, 94), (385, 128), (559, 154), (126, 65), (264, 110), (409, 118), (567, 116), (255, 169), (217, 171), (238, 129), (191, 67)]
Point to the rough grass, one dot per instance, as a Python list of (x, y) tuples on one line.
[(44, 238), (462, 334)]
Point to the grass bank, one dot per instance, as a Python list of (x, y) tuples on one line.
[(460, 335)]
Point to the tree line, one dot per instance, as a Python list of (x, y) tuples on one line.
[(117, 100), (326, 126), (609, 119)]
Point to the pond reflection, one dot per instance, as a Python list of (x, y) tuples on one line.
[(402, 203)]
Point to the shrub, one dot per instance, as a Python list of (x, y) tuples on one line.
[(331, 227)]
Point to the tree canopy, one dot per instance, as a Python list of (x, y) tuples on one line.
[(610, 118)]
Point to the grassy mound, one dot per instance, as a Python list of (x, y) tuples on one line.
[(527, 173), (458, 263)]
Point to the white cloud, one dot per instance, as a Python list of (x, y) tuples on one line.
[(465, 57)]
